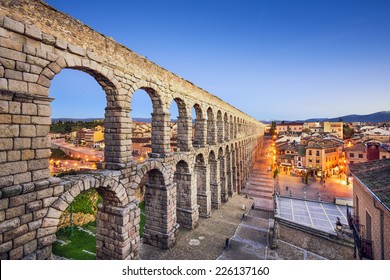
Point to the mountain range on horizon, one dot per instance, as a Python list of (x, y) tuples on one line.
[(381, 116)]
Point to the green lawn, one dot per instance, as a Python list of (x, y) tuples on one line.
[(76, 243), (80, 240)]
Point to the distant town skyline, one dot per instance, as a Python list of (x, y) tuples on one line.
[(285, 60)]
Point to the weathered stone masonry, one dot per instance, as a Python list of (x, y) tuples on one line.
[(36, 43)]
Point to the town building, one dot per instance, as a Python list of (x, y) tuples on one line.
[(289, 127), (324, 157), (370, 218), (378, 134), (313, 127), (335, 128), (366, 151), (89, 137)]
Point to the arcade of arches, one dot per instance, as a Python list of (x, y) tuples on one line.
[(211, 163)]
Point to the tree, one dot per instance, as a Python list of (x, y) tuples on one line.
[(348, 132), (273, 128)]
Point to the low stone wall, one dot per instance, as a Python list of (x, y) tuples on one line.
[(321, 243)]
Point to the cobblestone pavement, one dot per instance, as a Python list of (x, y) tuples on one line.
[(207, 241), (333, 187)]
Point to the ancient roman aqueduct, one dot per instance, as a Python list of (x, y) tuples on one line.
[(36, 43)]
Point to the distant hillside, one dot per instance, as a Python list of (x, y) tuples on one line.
[(375, 117), (383, 116)]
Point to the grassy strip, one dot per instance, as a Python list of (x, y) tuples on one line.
[(80, 240), (76, 243), (142, 220)]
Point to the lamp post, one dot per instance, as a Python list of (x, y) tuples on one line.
[(339, 226)]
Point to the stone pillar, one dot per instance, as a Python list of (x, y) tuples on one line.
[(187, 210), (223, 179), (215, 184), (184, 133), (220, 133), (160, 207), (211, 129), (204, 193), (226, 131), (117, 232), (234, 179), (161, 133), (200, 133), (229, 175), (117, 137)]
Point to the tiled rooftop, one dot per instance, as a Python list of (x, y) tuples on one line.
[(376, 176)]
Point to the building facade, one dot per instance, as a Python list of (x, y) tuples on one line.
[(289, 127), (324, 157), (334, 128), (370, 218)]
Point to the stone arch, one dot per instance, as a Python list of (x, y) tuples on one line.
[(199, 131), (184, 157), (160, 116), (215, 180), (103, 75), (184, 125), (211, 127), (115, 112), (202, 186), (186, 208), (144, 168), (160, 206), (115, 204)]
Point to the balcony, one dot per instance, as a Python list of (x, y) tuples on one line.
[(363, 246)]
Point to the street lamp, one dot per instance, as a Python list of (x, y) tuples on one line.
[(339, 226)]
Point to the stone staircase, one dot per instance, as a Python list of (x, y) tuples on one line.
[(251, 239), (260, 186)]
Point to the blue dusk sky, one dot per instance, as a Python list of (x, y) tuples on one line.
[(276, 59)]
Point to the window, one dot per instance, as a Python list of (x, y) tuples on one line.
[(357, 206), (309, 152), (351, 155), (310, 160), (368, 226), (318, 160), (317, 153), (360, 155)]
